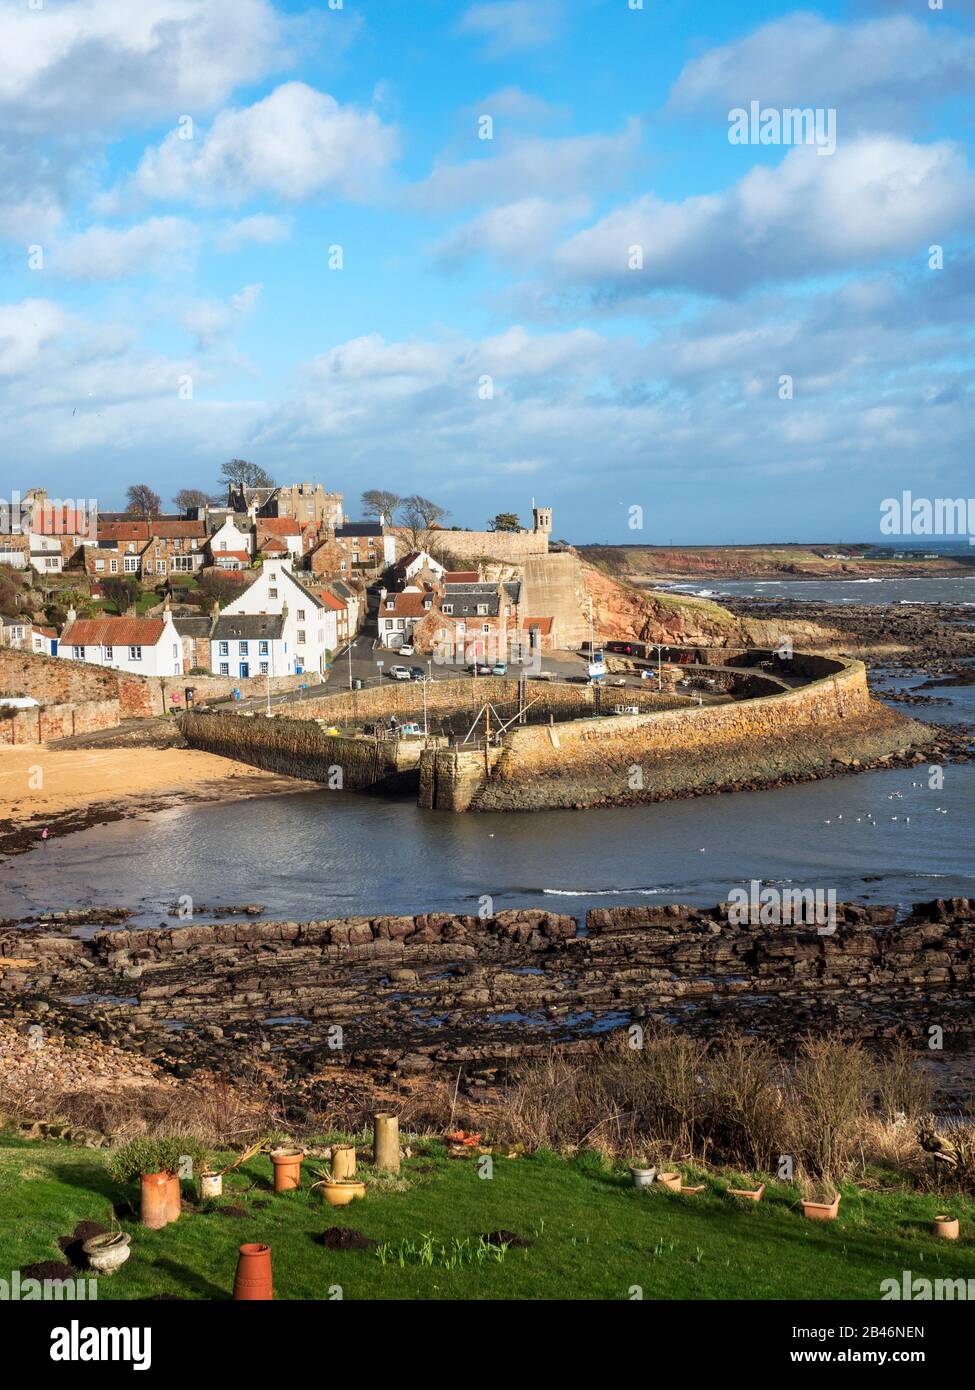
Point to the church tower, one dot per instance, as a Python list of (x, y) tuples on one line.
[(541, 519)]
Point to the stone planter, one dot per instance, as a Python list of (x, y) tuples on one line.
[(946, 1227), (643, 1177), (109, 1252)]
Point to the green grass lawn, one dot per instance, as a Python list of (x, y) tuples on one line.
[(592, 1235)]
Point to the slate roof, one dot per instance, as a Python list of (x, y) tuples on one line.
[(233, 627)]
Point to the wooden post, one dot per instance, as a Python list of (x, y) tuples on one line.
[(385, 1142)]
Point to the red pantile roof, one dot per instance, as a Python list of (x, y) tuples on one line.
[(113, 632), (544, 625), (408, 604), (123, 531), (461, 577), (179, 530), (279, 525)]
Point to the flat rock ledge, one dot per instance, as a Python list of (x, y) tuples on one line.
[(414, 994)]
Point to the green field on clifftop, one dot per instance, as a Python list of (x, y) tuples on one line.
[(590, 1234)]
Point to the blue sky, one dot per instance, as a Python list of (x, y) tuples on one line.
[(167, 303)]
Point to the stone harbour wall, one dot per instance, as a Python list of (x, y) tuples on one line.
[(300, 748)]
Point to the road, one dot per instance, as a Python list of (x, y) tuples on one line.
[(363, 664)]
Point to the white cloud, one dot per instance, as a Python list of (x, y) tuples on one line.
[(511, 26), (210, 320), (296, 144), (25, 329), (159, 246), (261, 229), (876, 73), (95, 63), (518, 233), (875, 198), (532, 167)]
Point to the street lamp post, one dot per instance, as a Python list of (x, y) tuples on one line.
[(350, 663)]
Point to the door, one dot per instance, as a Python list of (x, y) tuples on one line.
[(245, 670)]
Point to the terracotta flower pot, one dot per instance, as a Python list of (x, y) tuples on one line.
[(174, 1198), (946, 1227), (287, 1169), (253, 1278), (821, 1211), (752, 1195), (693, 1190), (672, 1181), (154, 1205)]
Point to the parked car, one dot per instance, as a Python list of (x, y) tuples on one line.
[(417, 673), (399, 673), (477, 669), (500, 668), (406, 649)]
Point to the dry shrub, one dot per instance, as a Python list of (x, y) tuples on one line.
[(905, 1090), (745, 1103), (828, 1101)]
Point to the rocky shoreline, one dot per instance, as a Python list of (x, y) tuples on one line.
[(399, 997)]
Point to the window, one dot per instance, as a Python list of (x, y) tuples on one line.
[(301, 637), (99, 565), (390, 605), (482, 608), (264, 668), (224, 648), (448, 608), (272, 593), (301, 615), (262, 649), (160, 566), (135, 653), (225, 668), (51, 564), (131, 563), (182, 562), (113, 566), (400, 624), (109, 653), (78, 653), (244, 648)]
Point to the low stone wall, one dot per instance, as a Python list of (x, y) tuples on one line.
[(300, 748), (44, 722)]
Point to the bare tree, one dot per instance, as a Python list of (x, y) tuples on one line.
[(188, 497), (241, 473), (381, 504), (143, 502), (420, 517)]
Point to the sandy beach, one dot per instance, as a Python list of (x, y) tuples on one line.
[(66, 789)]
